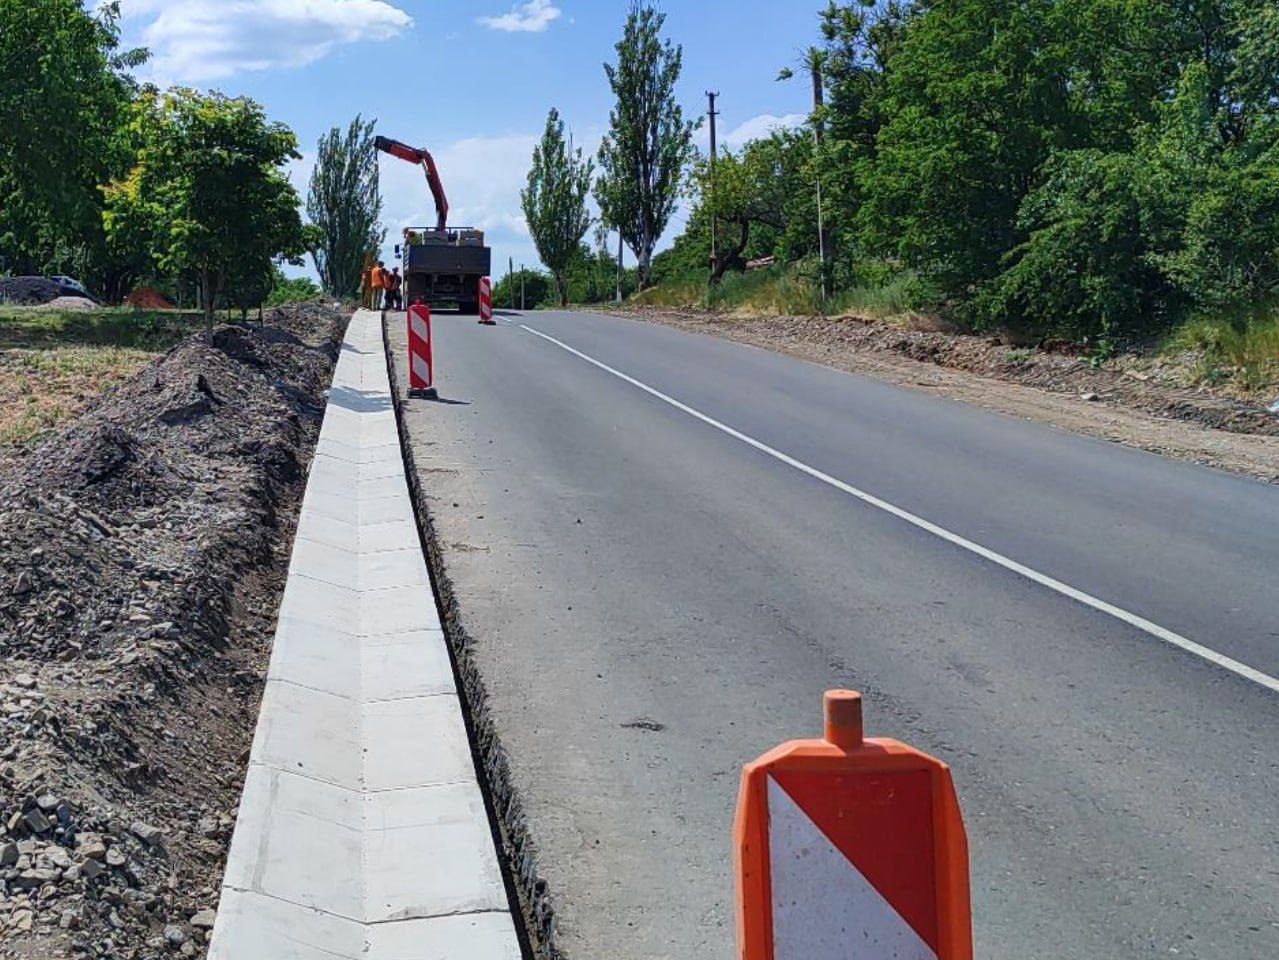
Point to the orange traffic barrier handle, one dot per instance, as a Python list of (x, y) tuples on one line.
[(891, 813)]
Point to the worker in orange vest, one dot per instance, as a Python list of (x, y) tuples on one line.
[(377, 280), (397, 282)]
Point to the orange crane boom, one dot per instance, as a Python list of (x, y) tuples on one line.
[(414, 155)]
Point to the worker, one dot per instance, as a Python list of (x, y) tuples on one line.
[(377, 280), (397, 284), (366, 283)]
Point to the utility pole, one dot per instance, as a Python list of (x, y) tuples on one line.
[(522, 307), (712, 113), (819, 101), (510, 278), (620, 251)]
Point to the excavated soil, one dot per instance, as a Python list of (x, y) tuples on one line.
[(1137, 400), (143, 548)]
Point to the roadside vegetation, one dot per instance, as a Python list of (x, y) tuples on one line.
[(54, 362), (986, 163), (121, 184)]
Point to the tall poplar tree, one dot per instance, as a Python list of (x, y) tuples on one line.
[(555, 201), (345, 204), (649, 143)]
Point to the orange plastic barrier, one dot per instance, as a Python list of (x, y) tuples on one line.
[(421, 360), (850, 848), (486, 302)]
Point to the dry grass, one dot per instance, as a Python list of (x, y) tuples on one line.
[(1243, 352), (54, 363)]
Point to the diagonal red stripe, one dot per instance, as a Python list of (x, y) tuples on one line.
[(883, 823)]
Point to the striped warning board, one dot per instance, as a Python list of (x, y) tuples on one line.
[(421, 363), (850, 849), (486, 301)]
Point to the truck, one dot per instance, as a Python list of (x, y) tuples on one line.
[(441, 264)]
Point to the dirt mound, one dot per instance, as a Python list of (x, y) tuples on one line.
[(142, 551), (29, 291), (69, 303), (1149, 384), (146, 298)]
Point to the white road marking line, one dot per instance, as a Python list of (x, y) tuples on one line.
[(1132, 619)]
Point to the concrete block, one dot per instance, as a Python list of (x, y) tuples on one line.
[(322, 604), (377, 487), (396, 610), (394, 568), (330, 531), (318, 657), (325, 563), (433, 857), (416, 666), (474, 936), (415, 743), (254, 927), (396, 535), (309, 733), (299, 840), (335, 506)]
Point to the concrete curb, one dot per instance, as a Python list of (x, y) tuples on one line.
[(530, 887), (362, 832)]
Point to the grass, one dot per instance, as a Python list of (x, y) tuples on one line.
[(785, 291), (54, 362), (1242, 351)]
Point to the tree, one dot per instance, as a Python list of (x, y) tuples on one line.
[(649, 144), (208, 195), (751, 189), (554, 201), (64, 100), (344, 203)]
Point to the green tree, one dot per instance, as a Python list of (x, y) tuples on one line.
[(64, 97), (534, 286), (290, 289), (751, 190), (554, 202), (208, 195), (345, 204), (649, 143)]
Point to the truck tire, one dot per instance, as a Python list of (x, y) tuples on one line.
[(470, 306)]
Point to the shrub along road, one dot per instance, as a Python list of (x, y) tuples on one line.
[(661, 574)]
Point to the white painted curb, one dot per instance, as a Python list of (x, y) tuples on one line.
[(362, 832)]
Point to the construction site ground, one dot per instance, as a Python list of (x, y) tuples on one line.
[(53, 363), (1143, 400), (142, 549)]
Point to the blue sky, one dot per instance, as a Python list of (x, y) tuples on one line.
[(472, 80)]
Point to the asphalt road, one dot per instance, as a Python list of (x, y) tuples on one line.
[(662, 574)]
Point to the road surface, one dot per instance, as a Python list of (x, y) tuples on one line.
[(667, 546)]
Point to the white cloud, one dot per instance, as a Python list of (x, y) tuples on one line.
[(194, 41), (753, 129), (535, 16)]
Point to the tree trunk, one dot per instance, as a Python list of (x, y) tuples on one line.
[(720, 265), (206, 299), (561, 287), (644, 267)]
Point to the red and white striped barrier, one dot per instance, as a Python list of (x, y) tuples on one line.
[(486, 301), (421, 363), (846, 847)]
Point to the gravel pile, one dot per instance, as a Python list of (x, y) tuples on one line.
[(142, 551), (69, 303), (29, 291)]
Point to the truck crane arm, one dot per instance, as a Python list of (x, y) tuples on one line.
[(414, 155)]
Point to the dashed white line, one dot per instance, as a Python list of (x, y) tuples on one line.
[(1065, 589)]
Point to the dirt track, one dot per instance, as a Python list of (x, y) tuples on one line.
[(142, 549), (1137, 402)]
